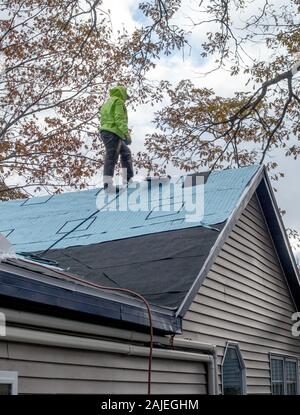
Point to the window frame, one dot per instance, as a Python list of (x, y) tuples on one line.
[(236, 346), (10, 378), (284, 359)]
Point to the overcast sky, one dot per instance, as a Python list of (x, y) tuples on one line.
[(174, 68)]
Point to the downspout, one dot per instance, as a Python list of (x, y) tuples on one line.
[(212, 366), (215, 357)]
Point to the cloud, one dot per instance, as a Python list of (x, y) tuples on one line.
[(122, 14)]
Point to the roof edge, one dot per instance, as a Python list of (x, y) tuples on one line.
[(280, 238), (69, 296), (215, 250)]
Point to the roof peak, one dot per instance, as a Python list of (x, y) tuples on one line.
[(139, 180)]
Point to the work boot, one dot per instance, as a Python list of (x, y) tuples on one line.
[(111, 189), (128, 182)]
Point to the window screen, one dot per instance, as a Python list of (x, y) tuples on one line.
[(5, 389), (232, 373), (284, 376), (291, 377), (277, 377), (8, 383)]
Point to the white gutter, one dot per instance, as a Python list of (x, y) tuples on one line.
[(74, 327), (16, 334), (210, 348), (56, 323)]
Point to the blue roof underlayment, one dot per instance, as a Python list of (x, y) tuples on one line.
[(35, 224)]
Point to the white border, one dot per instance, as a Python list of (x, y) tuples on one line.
[(235, 345), (284, 357)]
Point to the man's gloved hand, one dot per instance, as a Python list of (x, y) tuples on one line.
[(128, 139)]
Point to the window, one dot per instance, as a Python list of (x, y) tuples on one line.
[(5, 389), (233, 371), (277, 376), (291, 376), (284, 373), (8, 383)]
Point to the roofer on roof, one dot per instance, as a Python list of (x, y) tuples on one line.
[(116, 137)]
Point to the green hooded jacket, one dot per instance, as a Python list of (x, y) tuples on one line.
[(113, 113)]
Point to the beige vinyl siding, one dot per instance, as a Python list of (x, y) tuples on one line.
[(55, 370), (245, 298)]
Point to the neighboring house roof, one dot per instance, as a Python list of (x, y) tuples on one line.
[(161, 255)]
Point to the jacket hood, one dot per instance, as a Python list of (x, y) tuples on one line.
[(119, 92)]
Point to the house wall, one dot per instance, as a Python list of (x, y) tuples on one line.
[(45, 368), (245, 299)]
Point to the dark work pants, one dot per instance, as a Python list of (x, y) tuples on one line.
[(114, 147)]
